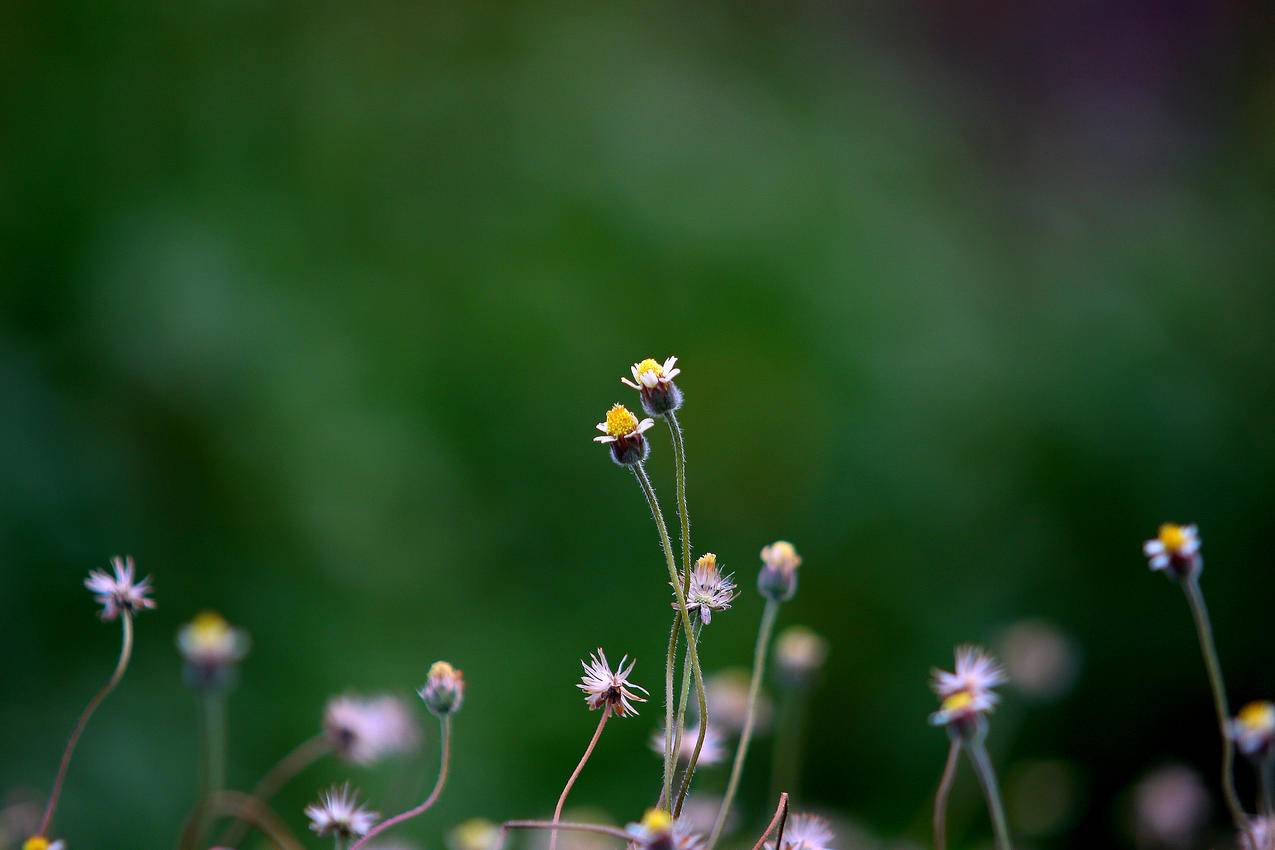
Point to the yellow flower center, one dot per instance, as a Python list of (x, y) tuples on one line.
[(958, 701), (36, 842), (707, 561), (657, 820), (441, 669), (649, 365), (620, 421), (209, 627), (1173, 537), (1257, 716)]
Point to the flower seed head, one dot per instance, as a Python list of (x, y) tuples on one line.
[(709, 590), (654, 383), (119, 592), (623, 432), (364, 730), (1176, 550), (967, 692), (805, 832), (778, 577), (603, 687), (444, 689), (1253, 729), (338, 813)]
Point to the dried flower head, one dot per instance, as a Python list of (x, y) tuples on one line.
[(805, 832), (39, 842), (654, 382), (967, 693), (444, 689), (709, 590), (1175, 548), (119, 593), (365, 729), (712, 752), (338, 813), (474, 834), (603, 687), (1259, 834), (1253, 729), (623, 432), (211, 647), (654, 831), (778, 577), (799, 652)]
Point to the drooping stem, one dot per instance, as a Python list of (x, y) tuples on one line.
[(780, 818), (768, 616), (126, 652), (445, 726), (588, 751), (1204, 630), (560, 826), (945, 790), (242, 807), (987, 779), (304, 755), (639, 472)]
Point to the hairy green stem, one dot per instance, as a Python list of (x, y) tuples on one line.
[(987, 779), (767, 626), (941, 796), (670, 759), (1204, 630)]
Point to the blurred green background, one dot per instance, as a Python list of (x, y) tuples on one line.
[(312, 308)]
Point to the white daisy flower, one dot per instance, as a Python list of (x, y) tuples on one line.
[(967, 692), (1175, 548), (39, 842), (603, 687), (338, 813), (363, 730), (120, 592), (209, 641), (709, 590), (805, 832), (1253, 729), (649, 373), (655, 830)]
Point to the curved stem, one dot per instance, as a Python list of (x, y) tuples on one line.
[(940, 797), (304, 755), (1204, 630), (588, 751), (639, 472), (768, 616), (987, 779), (126, 652), (445, 724), (779, 820), (244, 808)]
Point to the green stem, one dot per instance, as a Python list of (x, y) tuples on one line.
[(670, 760), (679, 465), (1204, 630), (941, 796), (639, 472), (789, 739), (1265, 779), (126, 652), (683, 695), (445, 727), (214, 742), (768, 616), (987, 778)]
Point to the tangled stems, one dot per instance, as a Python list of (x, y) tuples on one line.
[(306, 754), (445, 724), (940, 797), (987, 778), (244, 808), (1203, 628), (767, 626), (670, 756), (639, 472), (126, 652), (562, 799)]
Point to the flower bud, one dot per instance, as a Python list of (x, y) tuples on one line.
[(777, 580), (444, 689)]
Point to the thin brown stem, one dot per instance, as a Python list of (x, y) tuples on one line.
[(575, 774), (779, 820), (991, 791), (1204, 630), (941, 796), (304, 755), (244, 808), (445, 724), (126, 652)]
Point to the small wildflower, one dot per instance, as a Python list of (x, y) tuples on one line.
[(623, 432), (654, 831), (967, 693), (1259, 834), (1253, 729), (778, 577), (474, 834), (444, 689), (211, 647), (338, 813), (39, 842), (799, 652), (363, 730), (654, 383), (712, 752), (603, 687), (119, 593), (805, 832), (709, 590), (1175, 548)]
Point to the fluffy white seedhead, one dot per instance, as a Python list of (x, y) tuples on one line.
[(602, 687), (338, 813), (709, 590)]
